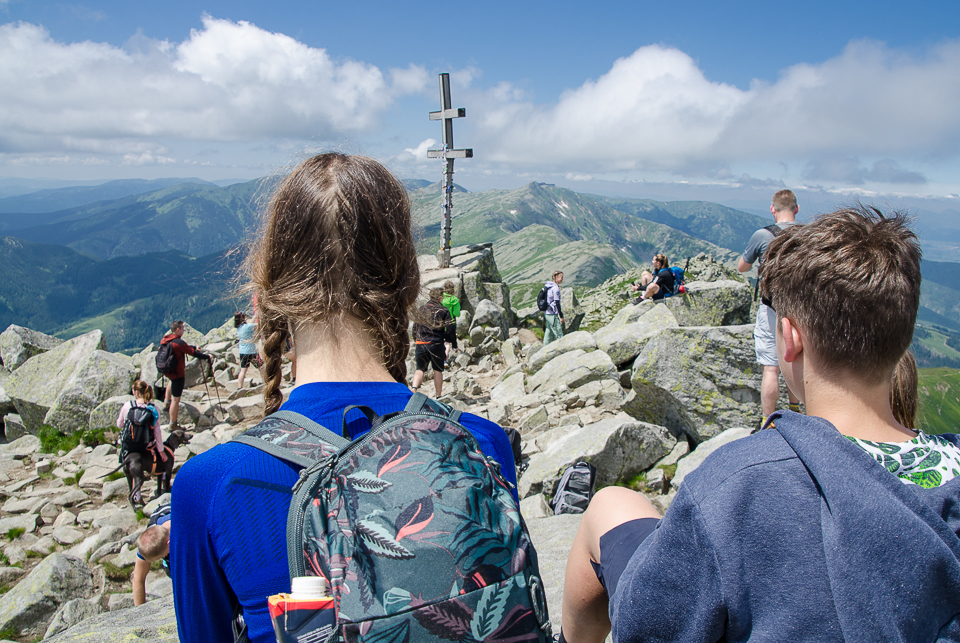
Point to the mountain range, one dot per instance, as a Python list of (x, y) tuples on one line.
[(131, 264)]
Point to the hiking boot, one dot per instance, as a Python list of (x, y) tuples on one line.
[(166, 407)]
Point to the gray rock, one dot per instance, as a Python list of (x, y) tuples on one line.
[(202, 442), (13, 427), (148, 369), (32, 603), (498, 413), (105, 414), (19, 344), (697, 381), (247, 408), (67, 535), (26, 505), (21, 447), (573, 313), (499, 293), (488, 313), (9, 575), (489, 346), (679, 451), (477, 336), (72, 496), (72, 612), (717, 303), (62, 386), (581, 340), (27, 522), (605, 394), (624, 341), (688, 464), (115, 489), (43, 546), (572, 369), (510, 350), (620, 448), (534, 420), (533, 507), (463, 324), (117, 602), (94, 542), (509, 390), (553, 538)]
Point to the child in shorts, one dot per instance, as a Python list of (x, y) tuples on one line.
[(836, 526)]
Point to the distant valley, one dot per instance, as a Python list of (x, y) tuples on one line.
[(130, 264)]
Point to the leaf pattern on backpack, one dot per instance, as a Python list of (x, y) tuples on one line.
[(380, 542), (448, 620), (367, 482), (414, 518), (489, 612)]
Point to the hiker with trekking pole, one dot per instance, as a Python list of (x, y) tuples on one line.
[(172, 363)]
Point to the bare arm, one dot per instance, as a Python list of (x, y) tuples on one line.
[(743, 266), (140, 570)]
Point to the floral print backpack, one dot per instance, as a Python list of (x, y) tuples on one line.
[(414, 529)]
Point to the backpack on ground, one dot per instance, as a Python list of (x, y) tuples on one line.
[(413, 527), (166, 359), (678, 277), (575, 489), (542, 299), (137, 430)]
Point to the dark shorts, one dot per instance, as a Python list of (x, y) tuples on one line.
[(617, 547), (176, 385), (247, 360), (432, 354)]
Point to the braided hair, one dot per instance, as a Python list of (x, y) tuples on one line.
[(335, 243)]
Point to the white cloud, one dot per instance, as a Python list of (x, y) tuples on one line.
[(656, 111), (418, 153), (146, 158), (227, 81)]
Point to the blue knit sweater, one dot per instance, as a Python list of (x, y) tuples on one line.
[(230, 504), (796, 534)]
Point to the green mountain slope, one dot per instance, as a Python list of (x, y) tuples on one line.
[(939, 400), (53, 289), (191, 218), (54, 200)]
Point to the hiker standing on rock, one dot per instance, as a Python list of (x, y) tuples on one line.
[(553, 315), (248, 347), (432, 330), (784, 209), (346, 298), (177, 375), (452, 303)]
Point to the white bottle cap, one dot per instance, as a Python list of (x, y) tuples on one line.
[(308, 587)]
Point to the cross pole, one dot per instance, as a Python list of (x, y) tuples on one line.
[(447, 114)]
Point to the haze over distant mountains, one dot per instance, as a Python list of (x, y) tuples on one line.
[(158, 251)]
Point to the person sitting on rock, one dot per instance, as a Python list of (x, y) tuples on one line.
[(432, 330), (153, 545), (659, 283), (836, 526)]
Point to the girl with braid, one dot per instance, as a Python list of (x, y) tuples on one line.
[(334, 269)]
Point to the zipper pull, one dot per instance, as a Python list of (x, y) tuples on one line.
[(309, 471)]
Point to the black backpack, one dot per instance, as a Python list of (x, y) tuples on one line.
[(137, 430), (166, 359), (575, 489), (542, 300), (775, 230)]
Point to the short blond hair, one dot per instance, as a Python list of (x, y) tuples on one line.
[(154, 543), (784, 201)]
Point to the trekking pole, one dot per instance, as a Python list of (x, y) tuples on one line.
[(202, 370)]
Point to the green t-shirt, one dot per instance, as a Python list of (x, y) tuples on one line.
[(452, 304), (927, 460)]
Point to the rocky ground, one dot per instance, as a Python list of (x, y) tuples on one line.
[(644, 396)]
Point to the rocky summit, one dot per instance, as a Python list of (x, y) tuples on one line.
[(644, 391)]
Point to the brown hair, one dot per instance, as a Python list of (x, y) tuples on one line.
[(143, 389), (784, 200), (335, 242), (851, 281), (154, 543), (903, 391), (239, 318), (555, 273), (449, 288), (436, 294), (664, 262), (176, 325)]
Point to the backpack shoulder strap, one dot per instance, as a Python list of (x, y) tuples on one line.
[(293, 437), (420, 403), (773, 229)]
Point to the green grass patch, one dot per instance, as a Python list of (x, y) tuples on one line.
[(4, 560), (52, 440), (9, 633), (116, 573), (939, 400), (75, 478), (33, 554), (15, 532), (116, 475), (669, 470), (140, 515)]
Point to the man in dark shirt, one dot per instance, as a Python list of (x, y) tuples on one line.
[(178, 376), (434, 327)]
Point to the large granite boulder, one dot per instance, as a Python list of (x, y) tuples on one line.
[(72, 612), (573, 313), (31, 604), (18, 344), (623, 340), (715, 303), (553, 539), (579, 340), (509, 390), (619, 447), (105, 414), (62, 386), (697, 381), (572, 369), (490, 315), (153, 622), (6, 403), (225, 333)]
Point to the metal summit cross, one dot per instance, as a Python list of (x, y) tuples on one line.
[(447, 114)]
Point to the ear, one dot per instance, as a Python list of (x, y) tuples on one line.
[(792, 340)]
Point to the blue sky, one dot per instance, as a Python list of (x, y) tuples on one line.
[(644, 99)]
